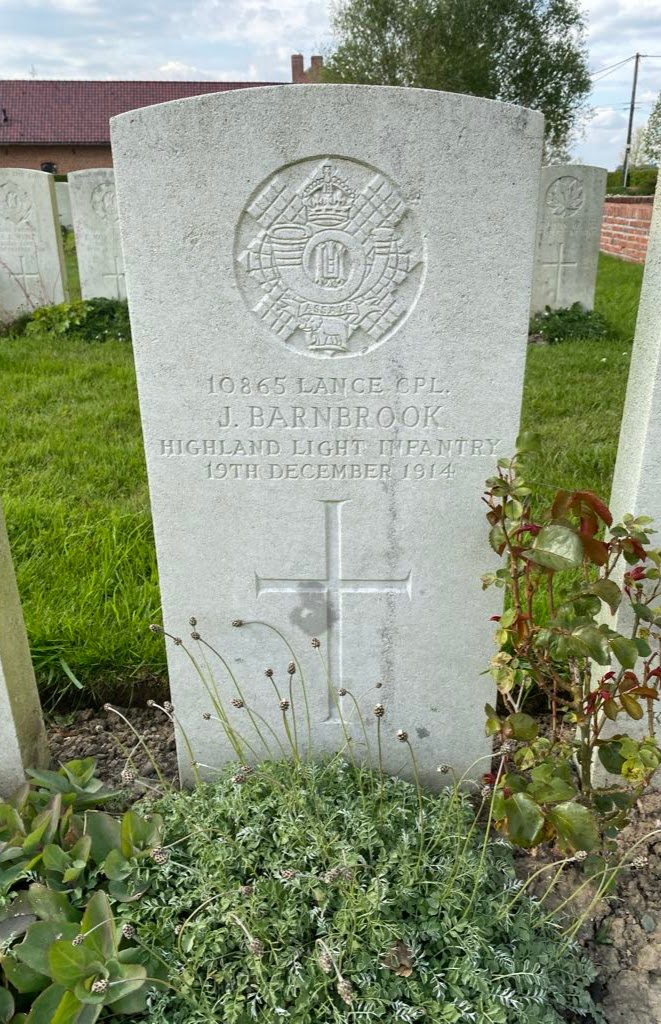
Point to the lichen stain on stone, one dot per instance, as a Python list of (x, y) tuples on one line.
[(421, 732)]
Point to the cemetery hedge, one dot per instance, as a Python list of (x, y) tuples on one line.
[(74, 485)]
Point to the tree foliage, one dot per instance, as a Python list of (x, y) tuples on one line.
[(530, 52), (653, 133)]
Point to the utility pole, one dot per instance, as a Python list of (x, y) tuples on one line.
[(627, 150)]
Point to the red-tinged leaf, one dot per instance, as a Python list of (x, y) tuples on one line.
[(589, 526), (634, 547), (628, 681), (595, 503), (561, 504), (656, 674), (645, 691), (595, 550)]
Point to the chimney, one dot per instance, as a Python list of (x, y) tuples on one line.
[(315, 69), (298, 75)]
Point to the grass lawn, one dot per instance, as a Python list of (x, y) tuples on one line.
[(72, 478), (574, 392)]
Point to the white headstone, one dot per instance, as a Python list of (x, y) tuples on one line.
[(330, 317), (98, 245), (571, 202), (637, 479), (22, 735), (63, 204), (32, 269)]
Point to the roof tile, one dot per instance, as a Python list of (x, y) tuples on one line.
[(78, 113)]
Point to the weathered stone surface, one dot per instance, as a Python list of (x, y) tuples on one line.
[(571, 201), (98, 244), (63, 204), (330, 317), (637, 477), (22, 735), (32, 271)]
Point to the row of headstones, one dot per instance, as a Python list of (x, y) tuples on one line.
[(330, 326), (32, 264), (33, 272)]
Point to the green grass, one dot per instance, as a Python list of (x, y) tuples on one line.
[(574, 392), (74, 488), (71, 261), (73, 482)]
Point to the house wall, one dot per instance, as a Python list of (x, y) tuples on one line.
[(65, 158)]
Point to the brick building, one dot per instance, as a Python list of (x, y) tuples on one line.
[(63, 126)]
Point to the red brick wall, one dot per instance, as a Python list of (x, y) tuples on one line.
[(66, 158), (626, 226)]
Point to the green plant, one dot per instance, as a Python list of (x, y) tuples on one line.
[(83, 320), (61, 863), (316, 892), (641, 182), (546, 788), (569, 324)]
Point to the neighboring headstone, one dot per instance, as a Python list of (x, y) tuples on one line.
[(32, 269), (329, 316), (22, 734), (571, 203), (98, 244), (637, 479), (63, 204)]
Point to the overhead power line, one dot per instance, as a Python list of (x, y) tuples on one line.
[(602, 72)]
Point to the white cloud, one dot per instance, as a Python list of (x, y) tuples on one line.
[(252, 40)]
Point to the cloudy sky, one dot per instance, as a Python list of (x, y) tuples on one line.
[(253, 40)]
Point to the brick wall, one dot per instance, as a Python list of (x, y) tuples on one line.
[(626, 225), (65, 158)]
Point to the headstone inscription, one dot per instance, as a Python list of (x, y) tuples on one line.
[(32, 269), (637, 478), (22, 734), (387, 232), (63, 204), (98, 245), (571, 202)]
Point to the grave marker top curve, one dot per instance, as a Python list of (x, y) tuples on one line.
[(330, 318)]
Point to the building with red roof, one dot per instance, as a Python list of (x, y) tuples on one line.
[(63, 126)]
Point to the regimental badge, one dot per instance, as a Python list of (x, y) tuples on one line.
[(329, 257), (15, 205), (564, 196)]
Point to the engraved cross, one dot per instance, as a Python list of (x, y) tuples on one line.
[(559, 265), (117, 278), (333, 586), (24, 276)]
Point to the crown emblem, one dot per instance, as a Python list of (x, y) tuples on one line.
[(328, 200)]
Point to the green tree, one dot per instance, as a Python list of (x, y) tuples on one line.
[(530, 52), (652, 143)]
